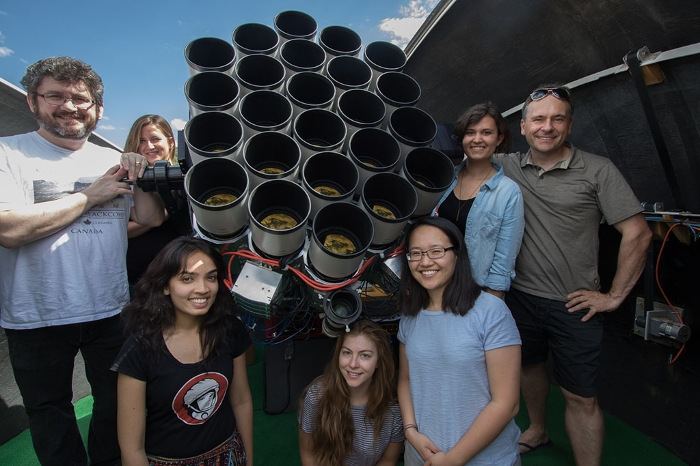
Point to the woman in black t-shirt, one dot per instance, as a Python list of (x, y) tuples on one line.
[(183, 394)]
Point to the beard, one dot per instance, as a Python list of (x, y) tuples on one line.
[(75, 132)]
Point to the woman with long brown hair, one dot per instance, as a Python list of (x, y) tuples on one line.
[(152, 137), (349, 415)]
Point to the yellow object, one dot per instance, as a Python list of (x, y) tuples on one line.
[(220, 199), (271, 170), (339, 244), (383, 211), (327, 191), (278, 222)]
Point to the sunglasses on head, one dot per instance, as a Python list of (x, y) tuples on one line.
[(558, 92)]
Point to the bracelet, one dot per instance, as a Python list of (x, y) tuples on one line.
[(408, 426)]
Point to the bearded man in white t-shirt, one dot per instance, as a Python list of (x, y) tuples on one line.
[(63, 215)]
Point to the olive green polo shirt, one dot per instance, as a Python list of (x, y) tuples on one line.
[(564, 207)]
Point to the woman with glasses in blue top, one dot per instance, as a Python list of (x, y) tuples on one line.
[(486, 206), (459, 356)]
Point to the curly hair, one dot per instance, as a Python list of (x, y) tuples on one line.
[(151, 311), (133, 140), (332, 437), (474, 114), (64, 69), (462, 290)]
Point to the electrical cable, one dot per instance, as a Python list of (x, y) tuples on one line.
[(247, 254), (663, 293), (285, 323)]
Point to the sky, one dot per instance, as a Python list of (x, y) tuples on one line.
[(137, 47)]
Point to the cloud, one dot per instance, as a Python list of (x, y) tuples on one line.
[(4, 51), (411, 17), (178, 124), (107, 128)]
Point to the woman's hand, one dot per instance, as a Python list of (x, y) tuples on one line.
[(134, 163), (423, 445)]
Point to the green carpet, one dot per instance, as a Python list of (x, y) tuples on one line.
[(623, 444), (276, 436), (19, 450)]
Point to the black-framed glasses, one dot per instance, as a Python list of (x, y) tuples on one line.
[(59, 99), (558, 92), (432, 253)]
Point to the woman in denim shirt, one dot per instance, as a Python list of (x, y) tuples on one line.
[(485, 205)]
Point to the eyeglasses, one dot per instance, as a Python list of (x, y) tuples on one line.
[(58, 100), (558, 92), (432, 253)]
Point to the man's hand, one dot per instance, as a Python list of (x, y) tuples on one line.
[(24, 224), (636, 236), (592, 301), (106, 187)]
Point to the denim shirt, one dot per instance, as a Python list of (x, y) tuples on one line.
[(494, 229)]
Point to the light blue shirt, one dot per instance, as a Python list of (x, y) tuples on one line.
[(494, 229), (448, 377)]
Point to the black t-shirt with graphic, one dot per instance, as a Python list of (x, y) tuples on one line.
[(188, 409)]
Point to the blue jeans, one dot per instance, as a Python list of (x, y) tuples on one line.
[(42, 361)]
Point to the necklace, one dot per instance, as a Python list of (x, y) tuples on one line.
[(460, 202)]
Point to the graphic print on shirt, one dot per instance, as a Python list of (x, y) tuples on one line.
[(200, 397), (92, 221), (50, 190)]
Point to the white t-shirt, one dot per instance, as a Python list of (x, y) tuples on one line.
[(77, 274)]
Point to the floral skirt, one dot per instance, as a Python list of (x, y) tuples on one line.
[(230, 453)]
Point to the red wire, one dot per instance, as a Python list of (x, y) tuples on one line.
[(663, 293), (247, 254)]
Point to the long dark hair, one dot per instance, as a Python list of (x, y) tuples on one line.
[(151, 311), (461, 292), (332, 437)]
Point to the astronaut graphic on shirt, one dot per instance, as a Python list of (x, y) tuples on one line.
[(199, 398)]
